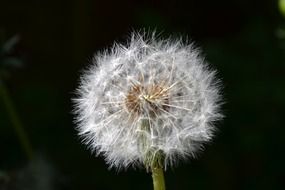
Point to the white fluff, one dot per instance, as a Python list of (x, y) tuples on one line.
[(182, 118)]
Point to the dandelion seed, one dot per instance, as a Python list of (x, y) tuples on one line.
[(148, 103)]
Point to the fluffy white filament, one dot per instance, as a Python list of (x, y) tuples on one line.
[(163, 84)]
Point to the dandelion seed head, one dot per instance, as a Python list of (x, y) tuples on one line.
[(147, 98)]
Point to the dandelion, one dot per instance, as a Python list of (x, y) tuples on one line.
[(149, 103)]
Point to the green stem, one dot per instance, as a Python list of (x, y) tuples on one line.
[(153, 159), (16, 123), (158, 178)]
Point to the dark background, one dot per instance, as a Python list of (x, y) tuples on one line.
[(243, 39)]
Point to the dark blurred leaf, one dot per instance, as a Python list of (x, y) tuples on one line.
[(11, 62), (10, 44), (8, 61)]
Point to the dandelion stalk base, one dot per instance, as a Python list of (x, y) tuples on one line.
[(158, 178)]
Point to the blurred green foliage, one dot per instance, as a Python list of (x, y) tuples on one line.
[(282, 7)]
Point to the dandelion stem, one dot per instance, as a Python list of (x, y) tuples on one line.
[(158, 178), (16, 123), (153, 159)]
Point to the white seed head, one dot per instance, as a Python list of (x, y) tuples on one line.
[(151, 100)]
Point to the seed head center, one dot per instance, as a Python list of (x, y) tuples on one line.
[(147, 99)]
